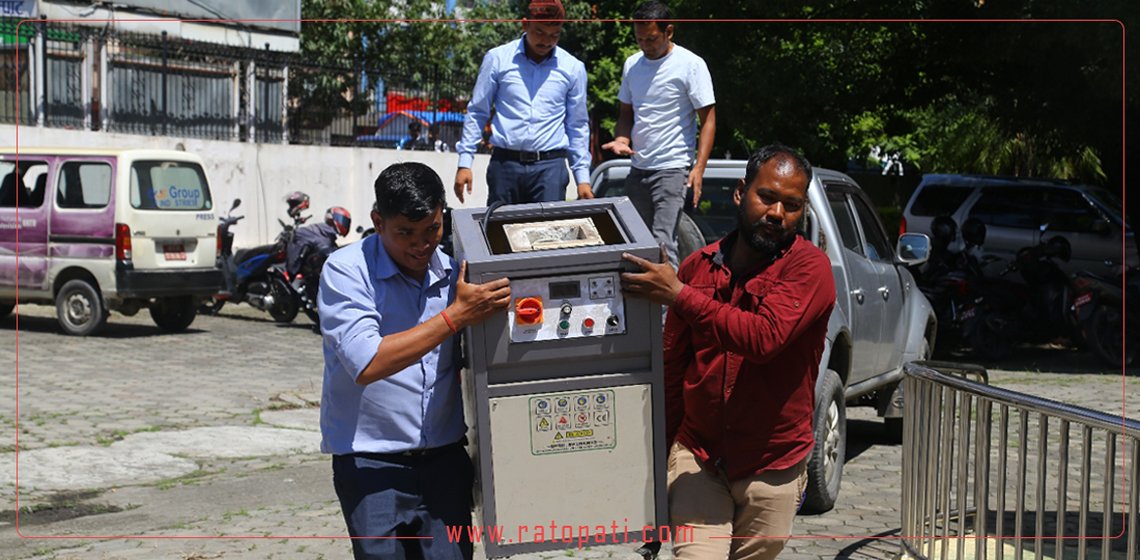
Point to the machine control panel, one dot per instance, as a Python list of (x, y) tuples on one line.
[(566, 307)]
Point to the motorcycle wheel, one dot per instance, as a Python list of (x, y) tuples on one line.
[(211, 306), (990, 339), (285, 304), (1105, 336)]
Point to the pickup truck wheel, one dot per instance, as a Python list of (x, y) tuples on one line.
[(825, 464), (79, 308), (174, 314)]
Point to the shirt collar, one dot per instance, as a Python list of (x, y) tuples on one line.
[(717, 253), (438, 269), (521, 51)]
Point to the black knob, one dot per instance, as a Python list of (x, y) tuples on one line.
[(612, 320)]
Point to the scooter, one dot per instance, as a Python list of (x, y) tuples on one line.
[(1110, 328), (949, 278), (247, 276)]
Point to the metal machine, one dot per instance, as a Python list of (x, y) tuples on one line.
[(565, 391)]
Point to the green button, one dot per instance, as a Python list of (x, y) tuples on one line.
[(564, 325)]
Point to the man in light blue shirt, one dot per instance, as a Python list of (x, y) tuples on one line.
[(391, 410), (537, 92)]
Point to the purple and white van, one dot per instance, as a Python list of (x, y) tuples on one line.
[(97, 230)]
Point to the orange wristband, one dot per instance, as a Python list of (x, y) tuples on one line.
[(447, 320)]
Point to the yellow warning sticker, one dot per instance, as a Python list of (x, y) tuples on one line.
[(582, 421)]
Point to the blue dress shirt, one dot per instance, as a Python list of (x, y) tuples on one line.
[(363, 298), (539, 106)]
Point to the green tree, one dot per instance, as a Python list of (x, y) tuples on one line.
[(349, 46)]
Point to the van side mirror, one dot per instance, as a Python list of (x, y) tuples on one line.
[(913, 248)]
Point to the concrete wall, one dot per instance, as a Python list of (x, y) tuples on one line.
[(262, 174)]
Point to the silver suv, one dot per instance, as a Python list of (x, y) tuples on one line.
[(881, 320), (1021, 213)]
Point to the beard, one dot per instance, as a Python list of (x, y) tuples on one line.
[(763, 236)]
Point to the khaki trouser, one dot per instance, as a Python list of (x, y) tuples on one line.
[(749, 518)]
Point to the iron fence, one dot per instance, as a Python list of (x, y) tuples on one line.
[(990, 473), (99, 78)]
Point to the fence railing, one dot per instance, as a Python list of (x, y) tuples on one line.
[(98, 78), (991, 473)]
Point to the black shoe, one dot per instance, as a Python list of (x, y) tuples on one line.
[(649, 550)]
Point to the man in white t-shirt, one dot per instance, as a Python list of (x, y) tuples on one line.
[(664, 89)]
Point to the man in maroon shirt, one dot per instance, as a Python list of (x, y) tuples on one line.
[(743, 339)]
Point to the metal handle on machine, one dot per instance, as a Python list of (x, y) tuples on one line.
[(858, 293), (885, 292)]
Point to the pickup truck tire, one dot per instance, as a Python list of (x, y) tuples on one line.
[(825, 463), (689, 238), (174, 314), (79, 308), (6, 309)]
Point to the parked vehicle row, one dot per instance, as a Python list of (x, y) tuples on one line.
[(1014, 209), (91, 231), (1030, 299), (282, 277), (95, 231)]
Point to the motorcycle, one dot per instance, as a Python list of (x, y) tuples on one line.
[(248, 276), (1111, 329), (307, 282), (949, 278), (1041, 309)]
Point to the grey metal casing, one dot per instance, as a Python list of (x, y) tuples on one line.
[(499, 370)]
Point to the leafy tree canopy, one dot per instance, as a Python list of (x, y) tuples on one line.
[(1035, 97)]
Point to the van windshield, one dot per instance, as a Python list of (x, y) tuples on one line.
[(169, 185)]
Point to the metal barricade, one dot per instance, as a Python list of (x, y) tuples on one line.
[(992, 473)]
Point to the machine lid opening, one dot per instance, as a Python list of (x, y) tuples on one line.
[(521, 235)]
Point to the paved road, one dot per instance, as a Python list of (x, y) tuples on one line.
[(212, 433)]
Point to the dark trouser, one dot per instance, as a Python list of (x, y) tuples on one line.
[(391, 495), (514, 182), (658, 197)]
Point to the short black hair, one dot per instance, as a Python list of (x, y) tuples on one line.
[(769, 152), (655, 11), (409, 189)]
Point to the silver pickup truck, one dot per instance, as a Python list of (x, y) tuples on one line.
[(881, 320)]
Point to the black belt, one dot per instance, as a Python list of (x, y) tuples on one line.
[(413, 453), (527, 157)]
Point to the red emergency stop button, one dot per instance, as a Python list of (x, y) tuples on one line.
[(528, 310)]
